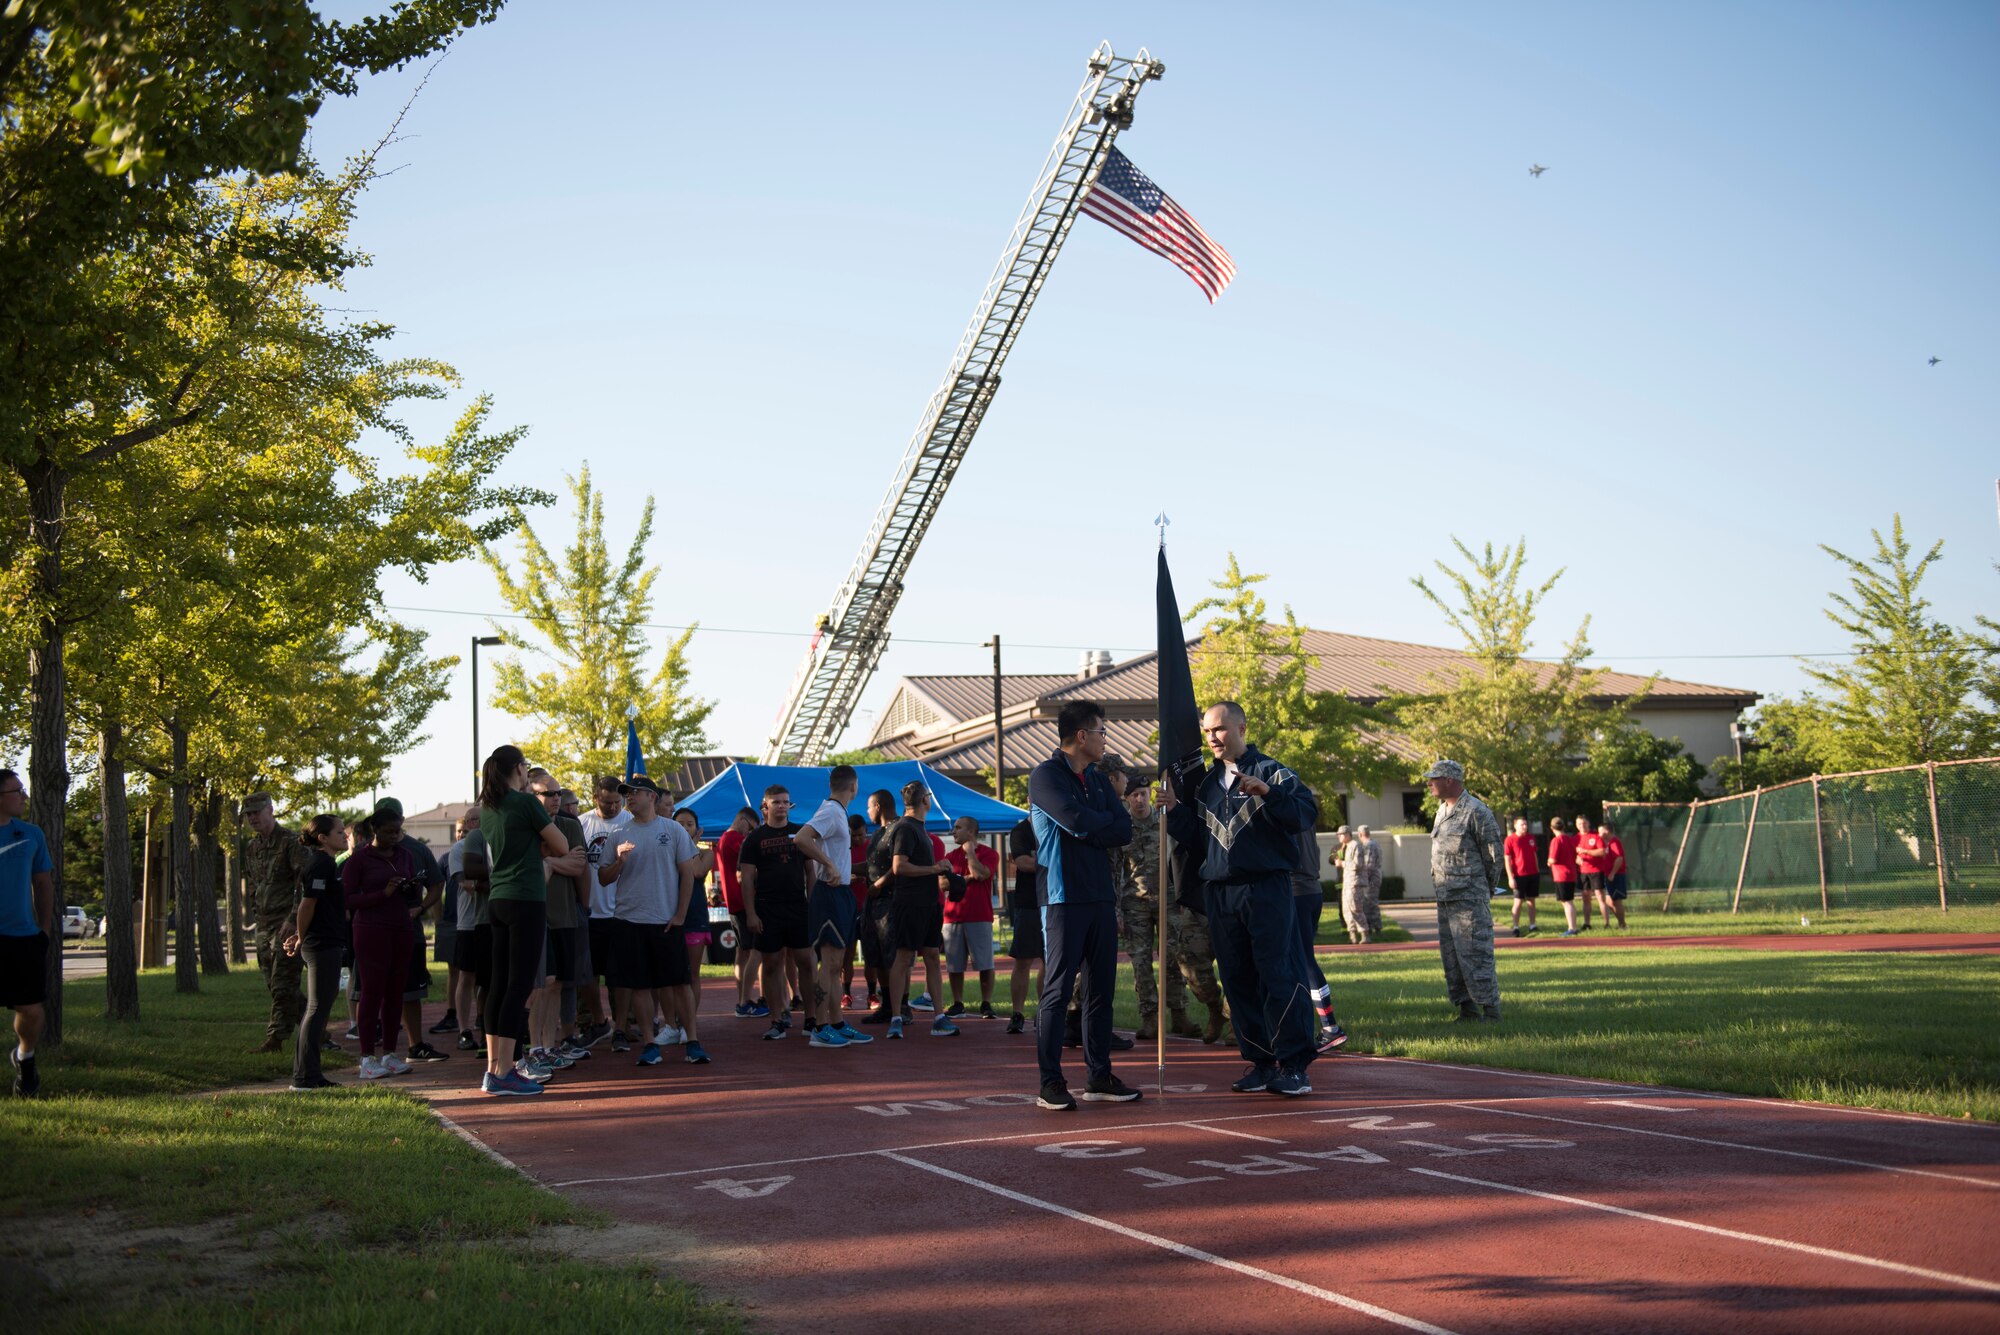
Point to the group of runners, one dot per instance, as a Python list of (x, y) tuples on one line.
[(1585, 864)]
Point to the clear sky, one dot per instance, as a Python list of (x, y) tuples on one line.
[(722, 254)]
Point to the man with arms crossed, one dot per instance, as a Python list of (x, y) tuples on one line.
[(772, 871), (651, 866), (831, 912), (968, 921), (917, 878), (606, 817), (1024, 910)]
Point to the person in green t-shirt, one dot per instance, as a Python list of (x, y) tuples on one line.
[(519, 835)]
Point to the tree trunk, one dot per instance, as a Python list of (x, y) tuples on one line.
[(180, 863), (208, 876), (121, 954), (48, 756), (232, 879)]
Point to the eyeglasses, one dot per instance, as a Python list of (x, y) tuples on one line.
[(9, 792), (1096, 732)]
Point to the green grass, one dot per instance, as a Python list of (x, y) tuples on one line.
[(1645, 918), (1911, 1033), (351, 1199)]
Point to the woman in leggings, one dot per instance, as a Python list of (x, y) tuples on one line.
[(519, 835), (321, 939), (378, 883)]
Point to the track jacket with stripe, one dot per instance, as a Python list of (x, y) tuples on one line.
[(1077, 820), (1246, 838)]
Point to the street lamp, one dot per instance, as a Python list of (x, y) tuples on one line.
[(478, 760)]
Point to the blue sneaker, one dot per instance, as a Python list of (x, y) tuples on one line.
[(510, 1084), (695, 1056), (1291, 1081), (922, 1002), (1255, 1080), (853, 1035), (775, 1032), (826, 1036), (753, 1011), (896, 1027), (649, 1055), (943, 1028)]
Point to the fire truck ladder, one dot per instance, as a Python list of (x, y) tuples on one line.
[(848, 641)]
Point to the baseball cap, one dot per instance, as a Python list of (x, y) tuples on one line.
[(639, 781), (388, 806), (1445, 769)]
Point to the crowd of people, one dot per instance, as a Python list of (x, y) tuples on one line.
[(1586, 865)]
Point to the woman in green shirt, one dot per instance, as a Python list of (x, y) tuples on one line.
[(518, 836)]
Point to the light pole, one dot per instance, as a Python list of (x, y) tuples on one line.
[(478, 760), (999, 757)]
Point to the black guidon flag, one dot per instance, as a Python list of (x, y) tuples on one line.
[(1180, 729)]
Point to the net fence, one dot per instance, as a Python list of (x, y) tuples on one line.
[(1921, 835)]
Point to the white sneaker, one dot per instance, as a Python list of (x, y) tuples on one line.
[(393, 1065), (670, 1035), (371, 1069)]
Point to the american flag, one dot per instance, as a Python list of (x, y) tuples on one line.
[(1125, 199)]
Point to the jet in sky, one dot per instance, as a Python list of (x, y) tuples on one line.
[(1936, 360), (1537, 169)]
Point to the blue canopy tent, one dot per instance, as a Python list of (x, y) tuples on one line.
[(716, 802)]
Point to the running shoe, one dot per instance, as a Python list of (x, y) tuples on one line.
[(1333, 1037), (466, 1042), (775, 1032), (27, 1079), (880, 1015), (942, 1027), (1055, 1096), (695, 1055), (509, 1083), (371, 1069), (1517, 931), (922, 1002), (956, 1009), (1291, 1082), (896, 1027), (1017, 1024), (394, 1065), (755, 1010), (529, 1069), (328, 1045), (591, 1035), (650, 1055), (573, 1050), (1255, 1080), (798, 1004), (424, 1052), (1120, 1043), (1572, 932), (309, 1087), (853, 1035), (620, 1041), (550, 1057), (826, 1036), (986, 1012), (447, 1024), (670, 1035), (1109, 1089), (353, 1032)]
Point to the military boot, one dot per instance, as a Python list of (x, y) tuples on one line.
[(1490, 1014), (1182, 1027), (1217, 1017), (1149, 1028), (1468, 1013)]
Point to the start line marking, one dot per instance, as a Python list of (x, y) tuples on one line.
[(1180, 1249)]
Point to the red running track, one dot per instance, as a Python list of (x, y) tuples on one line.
[(907, 1186)]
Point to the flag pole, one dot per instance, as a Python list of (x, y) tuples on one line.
[(1161, 957)]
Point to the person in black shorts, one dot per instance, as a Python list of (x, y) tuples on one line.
[(875, 913), (27, 917), (918, 877), (653, 874), (1024, 912), (771, 871)]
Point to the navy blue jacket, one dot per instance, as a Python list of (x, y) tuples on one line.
[(1077, 820), (1246, 838)]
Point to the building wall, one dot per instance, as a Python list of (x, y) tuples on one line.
[(1703, 733)]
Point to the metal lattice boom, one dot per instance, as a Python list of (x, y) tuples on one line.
[(849, 640)]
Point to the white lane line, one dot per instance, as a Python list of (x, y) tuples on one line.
[(1738, 1145), (1181, 1249), (480, 1145), (1852, 1258), (1241, 1135)]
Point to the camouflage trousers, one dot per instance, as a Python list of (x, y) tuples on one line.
[(282, 973), (1465, 943), (1189, 963), (1361, 907)]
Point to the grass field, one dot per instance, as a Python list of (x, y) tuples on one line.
[(352, 1210)]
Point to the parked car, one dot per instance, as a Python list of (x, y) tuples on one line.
[(74, 923)]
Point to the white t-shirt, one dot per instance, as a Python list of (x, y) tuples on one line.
[(831, 822), (648, 888), (596, 838)]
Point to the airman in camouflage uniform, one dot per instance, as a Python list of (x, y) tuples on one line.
[(273, 859), (1139, 902), (1466, 864)]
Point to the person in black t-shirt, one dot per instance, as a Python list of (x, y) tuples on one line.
[(917, 879), (321, 938), (772, 869), (875, 913), (1024, 911)]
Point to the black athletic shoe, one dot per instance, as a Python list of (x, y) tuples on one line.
[(1017, 1025), (447, 1024), (466, 1043), (1055, 1096), (880, 1015), (424, 1052), (27, 1080), (1291, 1082), (1120, 1043), (1109, 1089), (620, 1041), (986, 1012), (1333, 1037), (328, 1045), (1255, 1080), (956, 1009)]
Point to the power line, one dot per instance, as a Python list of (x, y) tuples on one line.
[(1114, 648)]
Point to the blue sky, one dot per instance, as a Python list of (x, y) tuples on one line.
[(722, 255)]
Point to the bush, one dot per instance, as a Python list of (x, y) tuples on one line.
[(1392, 887), (1330, 891)]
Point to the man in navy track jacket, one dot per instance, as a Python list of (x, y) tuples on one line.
[(1243, 820), (1077, 821)]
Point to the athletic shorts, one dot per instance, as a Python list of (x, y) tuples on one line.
[(24, 962), (600, 947), (1027, 933), (418, 984), (916, 921), (830, 916), (1529, 886), (1590, 881), (968, 944), (647, 955), (1618, 887), (1565, 892), (784, 918), (874, 931), (472, 952), (562, 960), (445, 949)]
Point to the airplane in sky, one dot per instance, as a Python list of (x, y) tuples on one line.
[(1537, 169), (1936, 360)]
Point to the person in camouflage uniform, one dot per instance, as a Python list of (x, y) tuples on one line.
[(273, 859), (1361, 886), (1137, 867), (1192, 965), (1466, 864)]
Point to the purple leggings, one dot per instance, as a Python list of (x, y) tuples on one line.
[(381, 967)]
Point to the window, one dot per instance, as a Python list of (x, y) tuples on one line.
[(1413, 809)]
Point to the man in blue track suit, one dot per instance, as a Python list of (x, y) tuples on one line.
[(1077, 820), (1243, 819)]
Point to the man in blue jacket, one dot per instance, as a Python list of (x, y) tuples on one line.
[(1077, 820), (1244, 819)]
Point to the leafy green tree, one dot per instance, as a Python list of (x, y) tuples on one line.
[(1790, 739), (1520, 728), (1912, 691), (1326, 739), (864, 755), (1630, 764), (590, 612), (1016, 790)]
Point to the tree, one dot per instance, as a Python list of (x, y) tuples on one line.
[(1326, 739), (1520, 728), (863, 755), (590, 613), (1015, 793), (1630, 764), (1789, 739), (1911, 692)]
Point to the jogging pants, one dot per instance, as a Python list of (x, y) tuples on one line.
[(1078, 939), (519, 928), (322, 989), (1308, 908), (1254, 930), (381, 968)]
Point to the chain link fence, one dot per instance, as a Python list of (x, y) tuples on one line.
[(1915, 836)]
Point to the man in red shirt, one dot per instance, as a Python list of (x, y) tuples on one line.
[(1589, 867), (1615, 883), (1524, 873), (1562, 870), (968, 924), (727, 849)]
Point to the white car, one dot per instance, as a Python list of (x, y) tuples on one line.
[(74, 923)]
